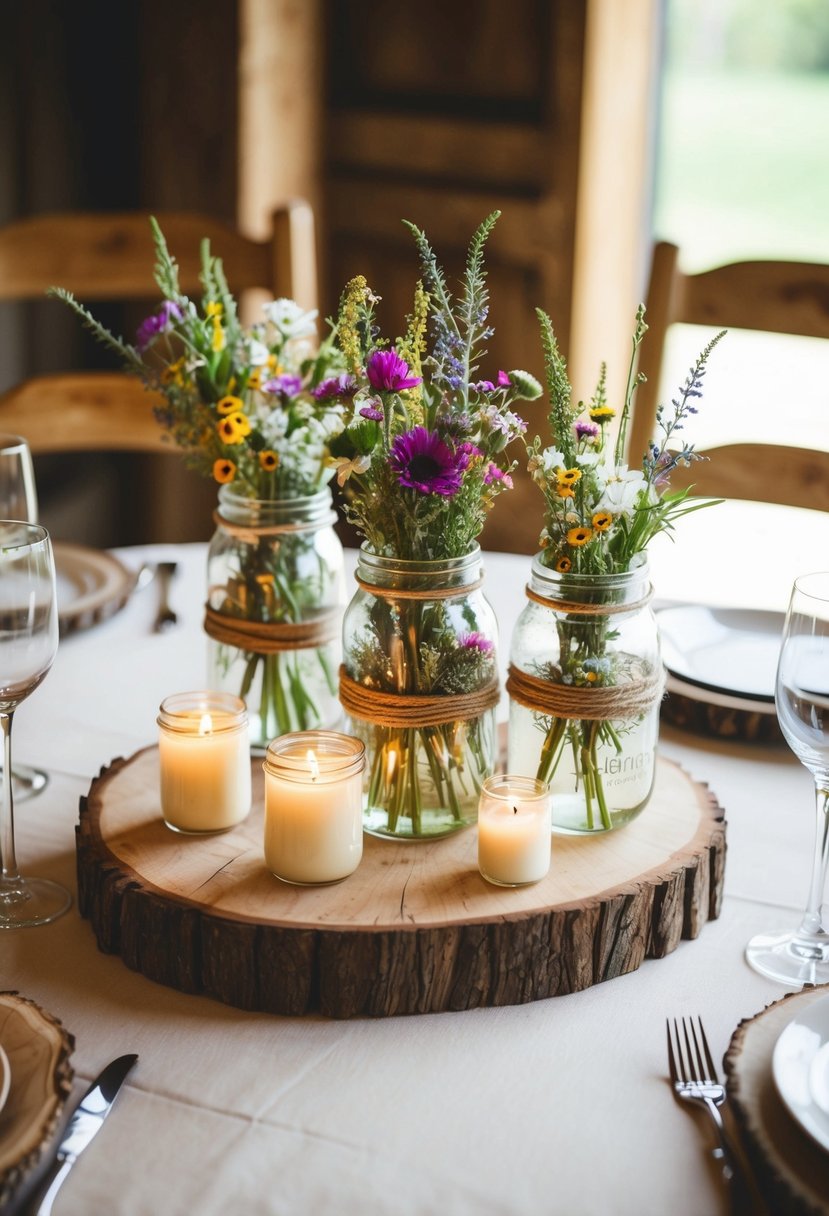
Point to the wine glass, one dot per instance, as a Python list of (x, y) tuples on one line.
[(18, 500), (28, 644), (802, 699)]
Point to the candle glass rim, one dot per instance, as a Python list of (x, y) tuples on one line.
[(530, 789), (171, 711), (344, 755)]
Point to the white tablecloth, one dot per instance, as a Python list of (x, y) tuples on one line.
[(561, 1106)]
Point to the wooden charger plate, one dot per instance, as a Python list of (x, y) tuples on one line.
[(38, 1050), (414, 930), (92, 585), (792, 1166)]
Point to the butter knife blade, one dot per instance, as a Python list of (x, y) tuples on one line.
[(84, 1124)]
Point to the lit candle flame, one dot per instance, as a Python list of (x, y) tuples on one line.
[(312, 763), (206, 725)]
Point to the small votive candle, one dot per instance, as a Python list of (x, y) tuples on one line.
[(514, 830), (204, 761), (314, 806)]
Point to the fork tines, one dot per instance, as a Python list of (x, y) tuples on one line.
[(689, 1056)]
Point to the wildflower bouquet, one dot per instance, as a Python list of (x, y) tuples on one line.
[(241, 403), (585, 693), (422, 457)]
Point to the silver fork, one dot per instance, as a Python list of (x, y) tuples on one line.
[(694, 1079)]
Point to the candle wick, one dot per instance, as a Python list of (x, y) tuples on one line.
[(515, 810)]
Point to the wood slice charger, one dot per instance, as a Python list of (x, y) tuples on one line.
[(414, 930)]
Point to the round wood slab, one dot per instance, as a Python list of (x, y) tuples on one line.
[(38, 1050), (414, 930), (793, 1168)]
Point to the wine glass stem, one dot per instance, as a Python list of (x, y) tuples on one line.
[(8, 861), (812, 924)]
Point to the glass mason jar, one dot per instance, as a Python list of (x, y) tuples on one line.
[(204, 761), (420, 689), (585, 686), (276, 592)]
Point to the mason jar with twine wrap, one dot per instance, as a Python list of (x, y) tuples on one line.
[(276, 593), (585, 684), (419, 686)]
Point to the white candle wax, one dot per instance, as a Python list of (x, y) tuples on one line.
[(313, 808), (204, 762), (514, 827)]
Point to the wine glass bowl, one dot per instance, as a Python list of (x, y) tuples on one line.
[(18, 500), (28, 645), (802, 701)]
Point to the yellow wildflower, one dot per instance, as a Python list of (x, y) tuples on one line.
[(213, 308), (268, 461), (601, 521), (233, 428), (224, 471), (568, 477), (563, 564), (602, 414), (229, 405), (355, 292), (255, 379), (579, 536)]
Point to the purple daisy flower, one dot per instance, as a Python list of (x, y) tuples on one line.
[(287, 385), (503, 380), (388, 373), (372, 413), (336, 388), (160, 322), (424, 462), (475, 641), (484, 386)]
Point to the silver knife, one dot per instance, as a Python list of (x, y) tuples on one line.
[(83, 1126)]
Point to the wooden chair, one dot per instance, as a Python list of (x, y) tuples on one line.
[(110, 256), (772, 296)]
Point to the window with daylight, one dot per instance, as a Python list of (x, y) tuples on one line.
[(742, 173)]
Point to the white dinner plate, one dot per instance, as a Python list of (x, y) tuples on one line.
[(723, 650), (800, 1066), (5, 1077)]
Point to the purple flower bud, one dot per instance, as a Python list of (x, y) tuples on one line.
[(160, 322)]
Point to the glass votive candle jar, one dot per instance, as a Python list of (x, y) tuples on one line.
[(514, 830), (204, 761), (314, 806)]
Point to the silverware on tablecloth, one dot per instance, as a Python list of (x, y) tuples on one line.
[(165, 617), (84, 1124), (694, 1079)]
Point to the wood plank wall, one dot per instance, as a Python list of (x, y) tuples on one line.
[(442, 115)]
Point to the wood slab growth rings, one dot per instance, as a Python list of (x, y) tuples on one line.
[(414, 930), (38, 1050)]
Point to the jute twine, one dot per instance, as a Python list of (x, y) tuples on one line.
[(270, 637), (251, 533), (437, 593), (413, 709), (593, 704), (583, 609)]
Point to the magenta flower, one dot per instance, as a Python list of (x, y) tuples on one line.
[(503, 380), (422, 461), (475, 641), (388, 373), (336, 388), (494, 473), (160, 322), (372, 413)]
